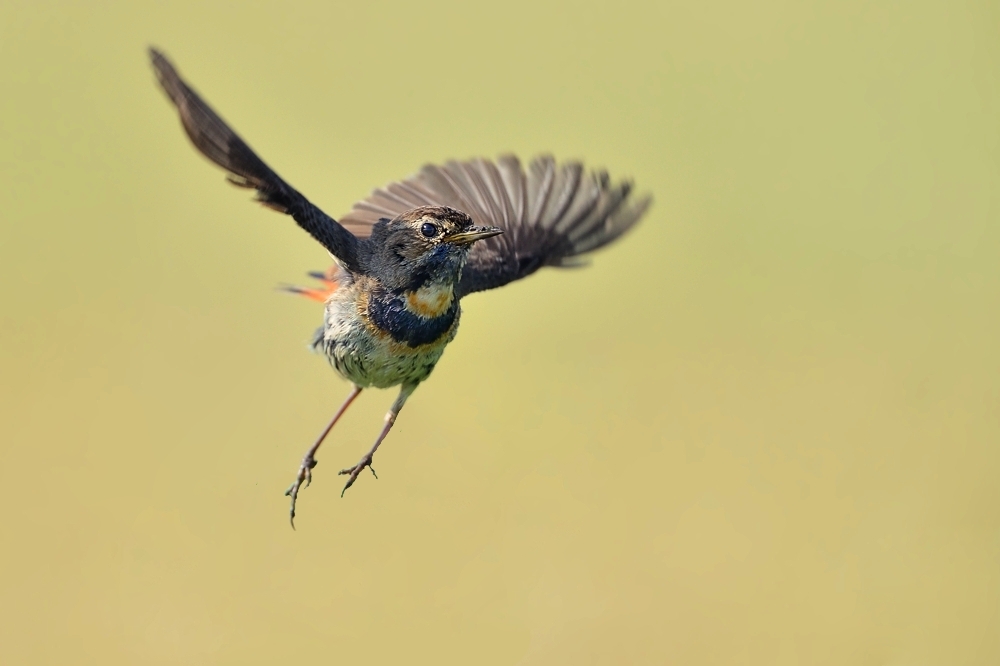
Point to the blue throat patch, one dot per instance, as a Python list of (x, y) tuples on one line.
[(387, 310)]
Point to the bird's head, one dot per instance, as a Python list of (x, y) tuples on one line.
[(424, 245)]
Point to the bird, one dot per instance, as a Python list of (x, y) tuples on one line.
[(405, 256)]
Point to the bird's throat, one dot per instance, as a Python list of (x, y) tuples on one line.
[(418, 317)]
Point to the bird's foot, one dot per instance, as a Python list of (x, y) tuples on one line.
[(305, 474), (357, 469)]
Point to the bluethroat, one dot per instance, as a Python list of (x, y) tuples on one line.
[(408, 254)]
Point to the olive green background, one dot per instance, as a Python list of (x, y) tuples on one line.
[(762, 429)]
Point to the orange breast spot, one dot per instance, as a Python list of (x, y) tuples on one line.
[(430, 300)]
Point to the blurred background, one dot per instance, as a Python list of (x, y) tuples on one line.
[(760, 429)]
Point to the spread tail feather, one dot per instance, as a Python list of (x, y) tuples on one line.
[(328, 281)]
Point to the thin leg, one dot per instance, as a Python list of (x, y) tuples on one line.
[(390, 418), (309, 461)]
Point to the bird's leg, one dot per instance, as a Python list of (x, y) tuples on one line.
[(309, 460), (390, 418)]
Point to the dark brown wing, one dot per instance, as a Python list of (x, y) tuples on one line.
[(219, 143), (550, 214)]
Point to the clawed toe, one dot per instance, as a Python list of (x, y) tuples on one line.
[(305, 474), (353, 472)]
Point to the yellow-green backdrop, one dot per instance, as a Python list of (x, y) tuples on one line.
[(761, 429)]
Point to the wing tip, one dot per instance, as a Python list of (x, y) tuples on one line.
[(165, 72), (156, 56)]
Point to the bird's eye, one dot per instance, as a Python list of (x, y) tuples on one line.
[(428, 230)]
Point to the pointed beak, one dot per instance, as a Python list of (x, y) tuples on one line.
[(473, 234)]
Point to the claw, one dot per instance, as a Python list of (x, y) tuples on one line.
[(293, 490), (354, 471), (305, 474)]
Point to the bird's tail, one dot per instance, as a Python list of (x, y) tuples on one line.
[(328, 282)]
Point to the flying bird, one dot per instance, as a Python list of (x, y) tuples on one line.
[(405, 256)]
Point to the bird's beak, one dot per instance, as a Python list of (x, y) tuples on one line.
[(473, 234)]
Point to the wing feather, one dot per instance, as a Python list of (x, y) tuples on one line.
[(515, 183), (541, 174), (219, 143)]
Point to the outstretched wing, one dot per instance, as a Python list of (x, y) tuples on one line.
[(551, 214), (216, 141)]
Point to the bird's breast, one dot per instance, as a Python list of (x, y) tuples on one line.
[(420, 317), (373, 337)]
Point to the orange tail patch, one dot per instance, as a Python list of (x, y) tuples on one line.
[(329, 285)]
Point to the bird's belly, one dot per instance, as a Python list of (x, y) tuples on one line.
[(368, 357)]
